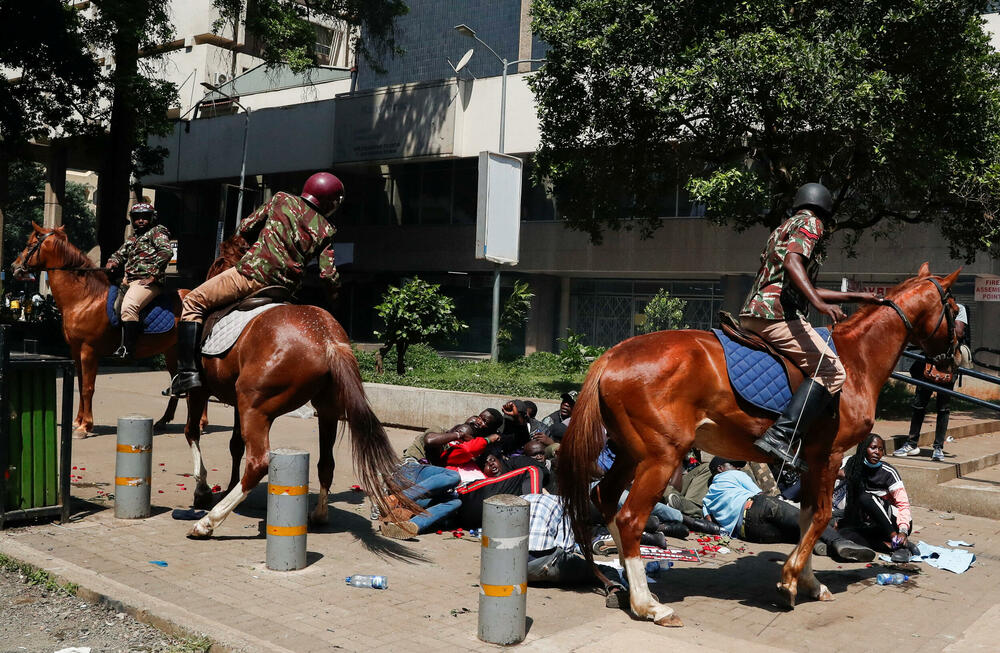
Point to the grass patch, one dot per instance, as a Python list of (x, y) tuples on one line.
[(199, 644), (539, 375), (35, 576)]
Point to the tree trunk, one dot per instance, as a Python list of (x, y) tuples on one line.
[(401, 358), (113, 183)]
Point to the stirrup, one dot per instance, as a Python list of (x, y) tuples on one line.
[(782, 453), (122, 353), (182, 383)]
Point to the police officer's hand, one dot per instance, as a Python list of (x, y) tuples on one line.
[(832, 311), (867, 298), (110, 265)]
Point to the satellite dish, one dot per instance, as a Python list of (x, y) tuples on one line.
[(464, 60)]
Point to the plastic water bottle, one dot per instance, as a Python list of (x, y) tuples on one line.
[(891, 579), (364, 580), (653, 567)]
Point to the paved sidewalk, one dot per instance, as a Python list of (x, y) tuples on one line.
[(221, 588)]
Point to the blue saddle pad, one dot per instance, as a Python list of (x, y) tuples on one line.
[(756, 376), (157, 317)]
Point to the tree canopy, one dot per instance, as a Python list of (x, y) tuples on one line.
[(895, 106)]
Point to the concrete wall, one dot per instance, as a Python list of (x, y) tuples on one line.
[(421, 408)]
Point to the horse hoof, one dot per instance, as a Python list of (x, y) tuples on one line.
[(787, 595), (315, 520), (204, 500), (161, 424), (824, 594), (81, 433), (670, 621), (200, 532)]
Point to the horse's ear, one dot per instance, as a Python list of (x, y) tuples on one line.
[(61, 230), (951, 278), (924, 271), (34, 225)]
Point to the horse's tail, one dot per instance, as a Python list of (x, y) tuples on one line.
[(375, 463), (578, 452)]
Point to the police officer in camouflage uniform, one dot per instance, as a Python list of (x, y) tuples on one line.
[(776, 310), (144, 257), (286, 232)]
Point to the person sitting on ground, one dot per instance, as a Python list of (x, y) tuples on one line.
[(877, 513), (143, 257), (531, 410), (743, 511), (487, 422), (568, 400), (553, 555), (514, 434), (500, 478)]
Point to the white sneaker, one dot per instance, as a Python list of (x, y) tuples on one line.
[(906, 450), (938, 455)]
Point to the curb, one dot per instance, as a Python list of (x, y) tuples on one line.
[(172, 619)]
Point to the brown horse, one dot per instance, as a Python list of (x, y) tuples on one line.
[(285, 357), (81, 293), (660, 394)]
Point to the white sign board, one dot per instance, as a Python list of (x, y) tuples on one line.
[(987, 289), (879, 289), (498, 216)]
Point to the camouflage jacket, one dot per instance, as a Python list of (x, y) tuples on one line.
[(291, 233), (145, 255), (774, 295)]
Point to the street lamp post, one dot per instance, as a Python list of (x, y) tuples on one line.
[(465, 30), (243, 165)]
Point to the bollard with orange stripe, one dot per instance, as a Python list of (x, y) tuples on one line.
[(133, 467), (503, 570), (287, 509)]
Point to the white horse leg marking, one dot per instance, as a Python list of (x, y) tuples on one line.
[(319, 513), (200, 472), (207, 524), (643, 603), (807, 579)]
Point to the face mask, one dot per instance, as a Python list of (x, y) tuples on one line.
[(872, 465)]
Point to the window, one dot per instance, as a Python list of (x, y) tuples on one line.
[(328, 42)]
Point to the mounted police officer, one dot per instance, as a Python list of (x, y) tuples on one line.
[(285, 233), (144, 257), (776, 310)]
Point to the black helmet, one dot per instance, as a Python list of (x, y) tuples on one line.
[(815, 196), (142, 208)]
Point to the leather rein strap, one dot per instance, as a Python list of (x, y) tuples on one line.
[(38, 244), (946, 314)]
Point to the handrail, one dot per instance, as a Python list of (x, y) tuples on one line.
[(937, 388)]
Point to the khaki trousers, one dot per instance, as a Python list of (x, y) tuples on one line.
[(222, 289), (798, 340), (136, 298)]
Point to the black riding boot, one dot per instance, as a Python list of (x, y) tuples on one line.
[(806, 405), (130, 336), (187, 377)]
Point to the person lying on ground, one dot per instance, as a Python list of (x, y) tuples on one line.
[(500, 478), (671, 522), (553, 555), (687, 492), (877, 513), (743, 511), (432, 488), (460, 454)]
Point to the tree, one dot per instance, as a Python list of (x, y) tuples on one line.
[(413, 313), (663, 312), (894, 106), (286, 34), (514, 314), (25, 204)]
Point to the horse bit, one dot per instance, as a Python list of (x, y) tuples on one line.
[(947, 357)]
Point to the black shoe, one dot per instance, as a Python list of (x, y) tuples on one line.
[(806, 405), (130, 336), (187, 377), (845, 549), (617, 597), (654, 539), (913, 549), (701, 526), (674, 529)]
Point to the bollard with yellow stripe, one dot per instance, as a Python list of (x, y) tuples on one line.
[(133, 467), (503, 570), (287, 509)]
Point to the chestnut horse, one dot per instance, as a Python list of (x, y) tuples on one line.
[(285, 357), (81, 293), (660, 394)]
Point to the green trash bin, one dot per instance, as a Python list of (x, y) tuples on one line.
[(35, 454)]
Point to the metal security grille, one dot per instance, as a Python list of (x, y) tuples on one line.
[(605, 310)]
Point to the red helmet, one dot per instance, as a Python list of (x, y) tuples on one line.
[(321, 190), (142, 208)]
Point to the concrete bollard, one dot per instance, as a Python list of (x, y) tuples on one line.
[(133, 466), (503, 570), (287, 509)]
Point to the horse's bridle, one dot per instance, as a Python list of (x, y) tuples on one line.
[(947, 357), (38, 245)]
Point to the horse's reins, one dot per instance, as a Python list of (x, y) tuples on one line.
[(34, 250), (945, 314)]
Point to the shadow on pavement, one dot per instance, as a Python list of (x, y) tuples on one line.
[(343, 521)]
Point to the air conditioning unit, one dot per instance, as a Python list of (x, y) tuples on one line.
[(221, 78)]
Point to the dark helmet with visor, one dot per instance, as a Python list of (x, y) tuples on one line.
[(814, 196)]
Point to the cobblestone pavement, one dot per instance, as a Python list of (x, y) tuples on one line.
[(221, 587)]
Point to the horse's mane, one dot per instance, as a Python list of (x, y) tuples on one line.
[(74, 258), (231, 251)]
